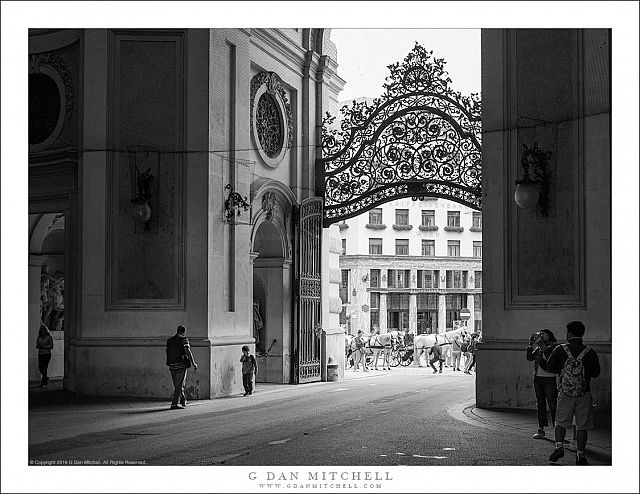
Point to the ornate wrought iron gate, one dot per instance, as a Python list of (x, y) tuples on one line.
[(306, 345), (420, 138)]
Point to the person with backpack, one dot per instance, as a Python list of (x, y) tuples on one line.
[(471, 361), (576, 364), (540, 347), (249, 368)]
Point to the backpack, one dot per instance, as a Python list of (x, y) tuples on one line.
[(572, 378)]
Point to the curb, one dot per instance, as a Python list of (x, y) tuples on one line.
[(595, 451)]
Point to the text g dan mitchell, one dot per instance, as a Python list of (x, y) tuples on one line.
[(350, 476)]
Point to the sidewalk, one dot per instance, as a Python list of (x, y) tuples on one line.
[(526, 423)]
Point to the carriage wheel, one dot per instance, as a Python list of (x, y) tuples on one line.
[(407, 362), (395, 358), (348, 362)]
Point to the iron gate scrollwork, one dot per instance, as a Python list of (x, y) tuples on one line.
[(421, 138), (309, 291)]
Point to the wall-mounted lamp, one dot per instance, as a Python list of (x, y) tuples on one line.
[(533, 188), (234, 204), (142, 183), (365, 278)]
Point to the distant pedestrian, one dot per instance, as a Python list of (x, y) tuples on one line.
[(576, 364), (540, 346), (471, 362), (179, 359), (447, 354), (249, 369), (436, 356), (464, 347), (44, 344), (360, 353), (456, 352)]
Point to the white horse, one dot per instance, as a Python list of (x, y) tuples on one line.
[(424, 342), (382, 343)]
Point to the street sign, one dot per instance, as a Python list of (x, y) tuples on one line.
[(465, 314)]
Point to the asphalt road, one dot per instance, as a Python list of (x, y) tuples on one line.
[(401, 418)]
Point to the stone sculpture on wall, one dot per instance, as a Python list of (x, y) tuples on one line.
[(51, 299)]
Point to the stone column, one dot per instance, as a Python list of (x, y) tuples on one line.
[(333, 336), (413, 313), (383, 312), (470, 305), (442, 313)]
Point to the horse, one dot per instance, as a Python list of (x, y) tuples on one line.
[(423, 342), (382, 343)]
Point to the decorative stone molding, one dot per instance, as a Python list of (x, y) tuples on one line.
[(269, 203), (335, 305), (335, 276), (375, 226), (335, 245), (458, 229), (271, 119), (402, 227), (427, 228)]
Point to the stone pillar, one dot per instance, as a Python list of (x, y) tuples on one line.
[(470, 305), (413, 313), (383, 312), (442, 313), (332, 342)]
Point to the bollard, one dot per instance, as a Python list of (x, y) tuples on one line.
[(332, 370)]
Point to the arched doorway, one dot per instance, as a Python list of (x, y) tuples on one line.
[(272, 288)]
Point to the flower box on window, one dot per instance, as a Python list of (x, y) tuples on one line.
[(375, 226), (402, 227), (475, 229), (428, 228), (454, 229)]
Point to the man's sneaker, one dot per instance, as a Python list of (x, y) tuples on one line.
[(581, 460), (557, 454), (539, 435), (177, 407)]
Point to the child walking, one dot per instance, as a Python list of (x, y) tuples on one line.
[(249, 368)]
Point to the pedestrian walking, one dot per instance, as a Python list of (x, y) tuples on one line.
[(179, 359), (456, 352), (540, 346), (249, 369), (360, 353), (44, 344), (436, 356), (471, 361), (464, 347), (447, 354), (576, 364)]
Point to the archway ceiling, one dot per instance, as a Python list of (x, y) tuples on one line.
[(420, 138)]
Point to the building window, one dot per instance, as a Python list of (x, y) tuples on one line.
[(428, 217), (453, 248), (344, 246), (374, 300), (402, 217), (477, 312), (455, 279), (428, 247), (398, 278), (427, 279), (375, 278), (375, 246), (375, 216), (402, 247), (374, 320), (477, 220), (478, 279), (345, 279), (477, 249), (454, 303), (453, 219)]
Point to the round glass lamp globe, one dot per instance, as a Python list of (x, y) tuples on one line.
[(527, 195)]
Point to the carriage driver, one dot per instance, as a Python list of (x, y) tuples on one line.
[(360, 353)]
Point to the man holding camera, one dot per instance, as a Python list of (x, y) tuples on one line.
[(539, 349)]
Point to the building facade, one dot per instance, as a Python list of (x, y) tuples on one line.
[(178, 159), (411, 265)]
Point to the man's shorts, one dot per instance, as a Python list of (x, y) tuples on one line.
[(581, 408)]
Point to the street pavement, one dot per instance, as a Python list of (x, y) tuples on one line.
[(404, 416)]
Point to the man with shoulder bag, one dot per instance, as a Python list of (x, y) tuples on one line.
[(179, 359)]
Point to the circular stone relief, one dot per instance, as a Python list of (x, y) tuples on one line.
[(45, 107)]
